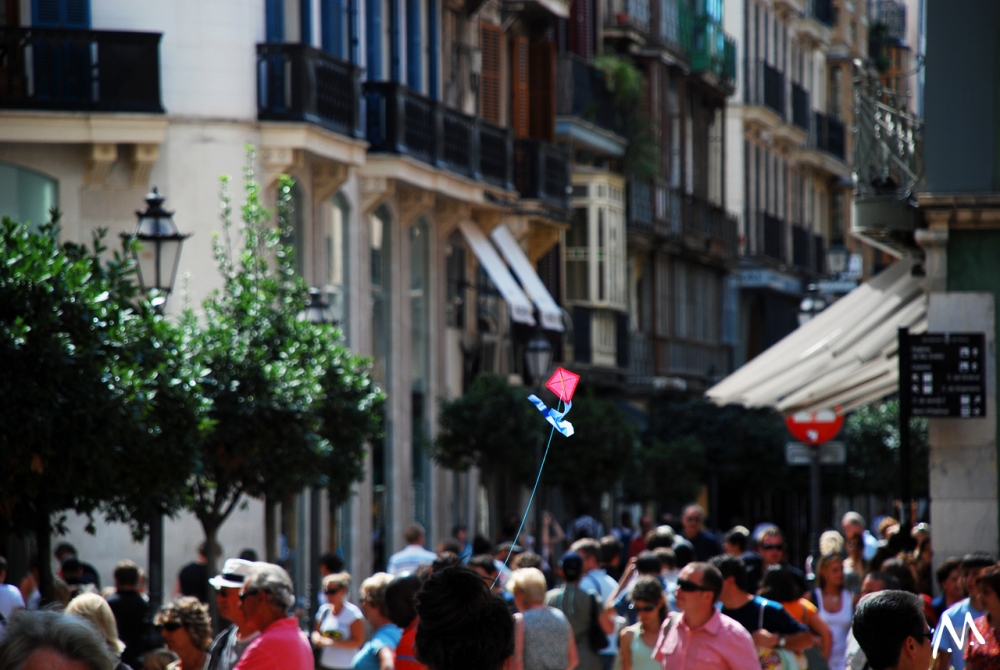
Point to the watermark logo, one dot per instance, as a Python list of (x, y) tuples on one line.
[(949, 627)]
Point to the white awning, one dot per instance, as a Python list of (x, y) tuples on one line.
[(520, 307), (532, 283), (844, 357)]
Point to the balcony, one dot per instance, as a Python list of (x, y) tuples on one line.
[(672, 25), (628, 20), (677, 356), (829, 135), (542, 173), (79, 70), (711, 224), (585, 108), (640, 205), (296, 82), (712, 50), (774, 90), (600, 337), (773, 234), (400, 121), (823, 11), (764, 96), (800, 107)]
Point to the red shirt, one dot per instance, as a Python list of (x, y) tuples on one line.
[(282, 646), (720, 643), (406, 658)]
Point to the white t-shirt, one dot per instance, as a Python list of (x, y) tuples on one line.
[(10, 602), (338, 627)]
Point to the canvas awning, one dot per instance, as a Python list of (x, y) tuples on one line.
[(520, 307), (844, 357), (532, 283)]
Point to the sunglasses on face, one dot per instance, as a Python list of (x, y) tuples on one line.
[(332, 592), (245, 594), (920, 636), (769, 547), (171, 626), (642, 608), (689, 586)]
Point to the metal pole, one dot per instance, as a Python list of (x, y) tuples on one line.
[(314, 552), (814, 502), (155, 563), (905, 491)]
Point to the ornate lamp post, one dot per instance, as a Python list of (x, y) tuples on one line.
[(537, 358), (812, 304), (159, 249), (317, 311), (156, 258)]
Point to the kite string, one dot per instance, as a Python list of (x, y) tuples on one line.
[(538, 478)]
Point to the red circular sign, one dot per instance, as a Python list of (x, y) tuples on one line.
[(814, 427)]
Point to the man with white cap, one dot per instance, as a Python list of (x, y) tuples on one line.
[(228, 646)]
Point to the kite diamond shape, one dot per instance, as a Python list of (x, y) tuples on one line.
[(563, 384)]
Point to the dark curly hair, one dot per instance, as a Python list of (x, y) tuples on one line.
[(462, 625)]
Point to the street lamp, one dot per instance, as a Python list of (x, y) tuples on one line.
[(837, 259), (537, 356), (156, 258), (812, 304), (159, 249), (317, 311)]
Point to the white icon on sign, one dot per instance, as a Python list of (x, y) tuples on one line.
[(963, 352), (978, 399), (915, 388), (928, 389), (975, 352), (963, 366), (975, 412), (928, 377), (966, 411), (975, 366), (964, 399)]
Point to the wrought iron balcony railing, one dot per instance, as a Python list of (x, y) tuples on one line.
[(297, 82), (401, 121), (542, 172), (79, 70)]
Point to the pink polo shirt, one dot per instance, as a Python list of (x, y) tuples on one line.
[(719, 644), (282, 646)]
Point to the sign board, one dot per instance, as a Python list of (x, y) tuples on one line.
[(830, 453), (814, 427), (944, 375)]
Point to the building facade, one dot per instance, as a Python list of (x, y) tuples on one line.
[(425, 181)]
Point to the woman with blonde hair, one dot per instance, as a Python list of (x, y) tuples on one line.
[(543, 637), (380, 651), (340, 625), (95, 610), (187, 631)]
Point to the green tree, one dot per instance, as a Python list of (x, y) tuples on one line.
[(871, 434), (594, 459), (670, 474), (98, 414), (291, 407), (494, 427)]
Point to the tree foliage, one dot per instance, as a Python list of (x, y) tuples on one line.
[(98, 410), (871, 434), (291, 406), (594, 459), (491, 426)]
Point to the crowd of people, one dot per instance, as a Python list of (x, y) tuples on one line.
[(648, 598)]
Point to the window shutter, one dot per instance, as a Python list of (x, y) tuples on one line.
[(490, 39), (61, 13), (332, 18), (542, 91), (519, 84), (581, 30), (275, 20)]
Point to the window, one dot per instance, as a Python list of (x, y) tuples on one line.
[(595, 245), (26, 196), (835, 85), (381, 265), (457, 288), (837, 218), (490, 41), (336, 258), (420, 261)]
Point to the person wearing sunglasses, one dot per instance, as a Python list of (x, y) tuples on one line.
[(266, 598), (636, 642), (701, 637), (892, 631), (229, 645), (986, 656), (340, 625), (771, 544), (187, 631)]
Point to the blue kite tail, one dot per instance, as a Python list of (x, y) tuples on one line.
[(554, 417)]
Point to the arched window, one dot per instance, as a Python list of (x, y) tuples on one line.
[(26, 196), (336, 262)]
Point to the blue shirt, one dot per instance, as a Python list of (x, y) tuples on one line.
[(945, 641), (367, 657)]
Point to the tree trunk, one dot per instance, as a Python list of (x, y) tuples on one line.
[(270, 530), (212, 565), (43, 536)]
